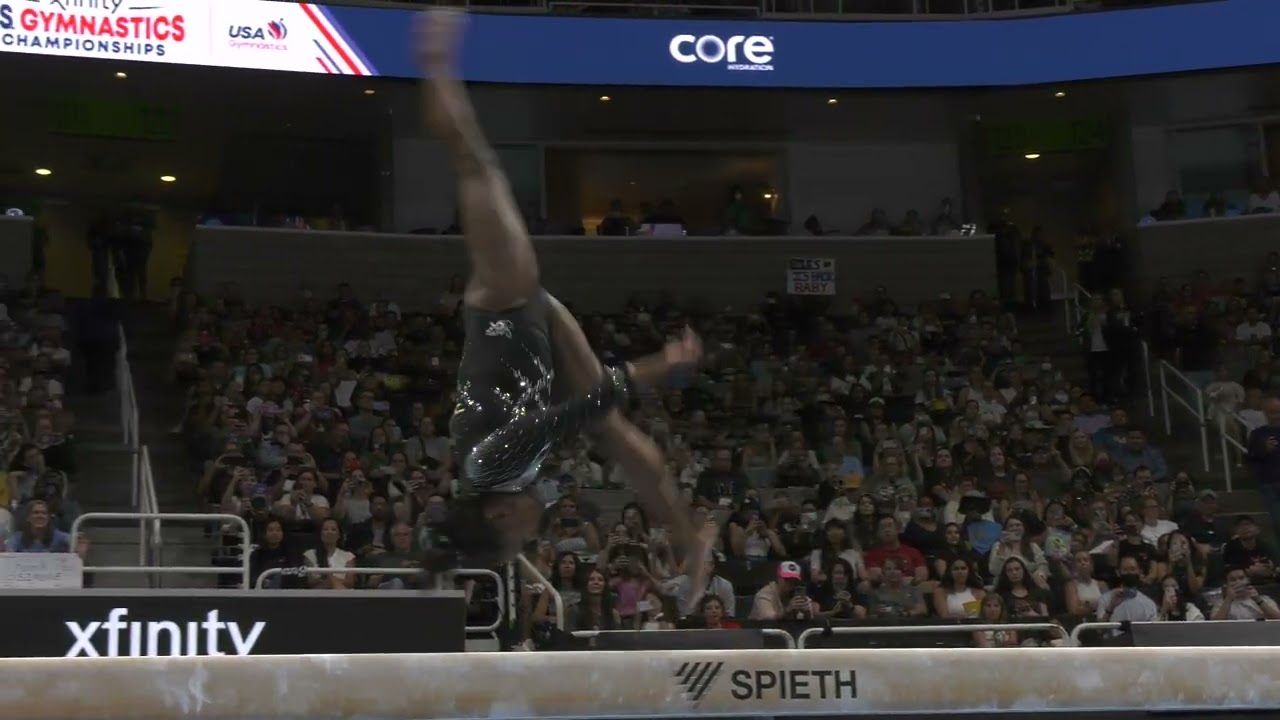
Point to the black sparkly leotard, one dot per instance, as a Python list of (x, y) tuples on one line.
[(506, 421)]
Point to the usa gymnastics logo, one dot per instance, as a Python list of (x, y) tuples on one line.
[(259, 37)]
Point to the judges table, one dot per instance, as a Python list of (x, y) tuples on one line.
[(1224, 247), (596, 274)]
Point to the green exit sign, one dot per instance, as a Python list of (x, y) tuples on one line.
[(1046, 137), (87, 117)]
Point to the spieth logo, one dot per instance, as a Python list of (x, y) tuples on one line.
[(155, 638), (740, 52), (268, 37)]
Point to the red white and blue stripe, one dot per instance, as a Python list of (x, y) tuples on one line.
[(335, 51)]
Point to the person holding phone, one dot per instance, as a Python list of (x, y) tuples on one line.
[(1242, 601)]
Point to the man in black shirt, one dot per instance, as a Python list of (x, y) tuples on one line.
[(1196, 347), (1246, 550)]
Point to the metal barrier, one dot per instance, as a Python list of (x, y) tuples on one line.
[(1195, 406), (767, 632), (461, 572), (924, 630), (1092, 627), (547, 586), (1230, 429), (246, 545)]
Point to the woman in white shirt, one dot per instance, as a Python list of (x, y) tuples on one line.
[(1013, 543), (329, 555), (1082, 592), (960, 593)]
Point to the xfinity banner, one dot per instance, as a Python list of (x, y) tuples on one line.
[(151, 624), (529, 49)]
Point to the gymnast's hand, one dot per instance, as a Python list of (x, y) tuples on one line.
[(685, 351)]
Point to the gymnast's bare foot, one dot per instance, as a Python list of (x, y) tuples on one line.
[(439, 36)]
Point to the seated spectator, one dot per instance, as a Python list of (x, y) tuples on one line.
[(37, 534), (684, 590), (1173, 603), (1132, 544), (711, 612), (784, 598), (1183, 562), (273, 553), (1264, 198), (960, 592), (631, 582), (798, 466), (953, 547), (329, 555), (837, 544), (373, 534), (1083, 591), (845, 506), (888, 544), (353, 504), (721, 484), (1242, 601), (1153, 526), (570, 533), (303, 507), (994, 613), (1127, 603), (1247, 551), (1136, 453), (1015, 543), (836, 594), (1023, 598), (399, 556), (596, 610), (894, 597), (752, 538)]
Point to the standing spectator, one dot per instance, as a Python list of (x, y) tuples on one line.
[(1097, 353), (1195, 347), (273, 553), (1264, 458)]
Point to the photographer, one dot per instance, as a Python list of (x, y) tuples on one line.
[(303, 508), (785, 597)]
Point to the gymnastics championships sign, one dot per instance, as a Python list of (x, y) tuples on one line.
[(545, 49)]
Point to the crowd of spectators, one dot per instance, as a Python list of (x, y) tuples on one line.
[(894, 464), (37, 485)]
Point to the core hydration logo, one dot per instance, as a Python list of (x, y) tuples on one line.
[(90, 27), (740, 52), (154, 638), (695, 679), (265, 37)]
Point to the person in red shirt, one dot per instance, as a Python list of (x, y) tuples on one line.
[(888, 545)]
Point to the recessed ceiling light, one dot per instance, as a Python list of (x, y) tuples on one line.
[(43, 172), (605, 98), (768, 196), (1032, 156), (122, 75), (832, 101), (168, 178), (1060, 94), (369, 91)]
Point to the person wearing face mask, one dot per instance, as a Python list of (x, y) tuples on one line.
[(1127, 603)]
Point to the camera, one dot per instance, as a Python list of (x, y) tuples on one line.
[(258, 503)]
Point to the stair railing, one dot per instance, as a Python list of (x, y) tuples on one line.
[(1172, 384)]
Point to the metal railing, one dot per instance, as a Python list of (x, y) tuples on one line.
[(461, 572), (767, 632), (556, 600), (1231, 428), (1193, 404), (803, 640), (145, 568)]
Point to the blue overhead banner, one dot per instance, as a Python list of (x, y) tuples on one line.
[(545, 49)]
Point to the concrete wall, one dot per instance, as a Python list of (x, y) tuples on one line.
[(595, 274), (15, 248), (1224, 247)]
